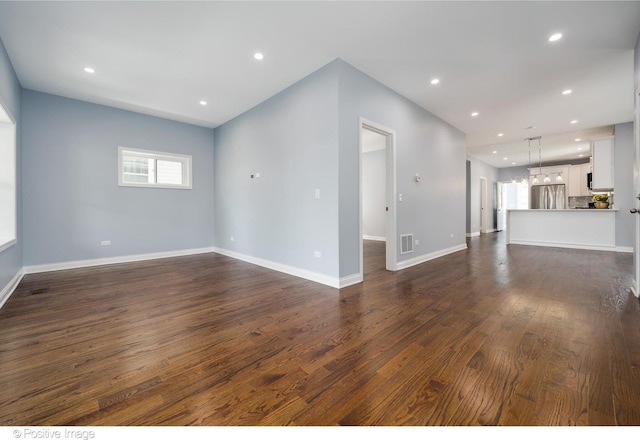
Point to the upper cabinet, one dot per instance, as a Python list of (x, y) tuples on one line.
[(602, 150), (577, 186)]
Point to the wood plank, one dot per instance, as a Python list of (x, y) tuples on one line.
[(494, 335)]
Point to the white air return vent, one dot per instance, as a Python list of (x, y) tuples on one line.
[(406, 243)]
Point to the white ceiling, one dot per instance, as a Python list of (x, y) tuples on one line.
[(162, 58)]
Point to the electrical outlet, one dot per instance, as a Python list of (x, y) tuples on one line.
[(105, 243), (451, 235), (417, 242), (317, 254), (232, 239), (316, 194)]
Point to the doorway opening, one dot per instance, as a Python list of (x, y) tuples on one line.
[(512, 194), (483, 205), (636, 185), (377, 192)]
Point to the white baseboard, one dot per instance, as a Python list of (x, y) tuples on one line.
[(374, 238), (473, 234), (633, 289), (11, 287), (627, 249), (289, 270), (423, 258), (112, 260), (350, 280), (566, 245)]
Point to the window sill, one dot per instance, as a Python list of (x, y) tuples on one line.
[(154, 185), (6, 243)]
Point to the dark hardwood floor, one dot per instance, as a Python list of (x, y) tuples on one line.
[(492, 335)]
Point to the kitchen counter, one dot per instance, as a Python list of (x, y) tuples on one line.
[(593, 229)]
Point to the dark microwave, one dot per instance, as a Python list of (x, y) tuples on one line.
[(589, 178)]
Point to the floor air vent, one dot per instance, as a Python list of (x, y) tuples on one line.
[(406, 243)]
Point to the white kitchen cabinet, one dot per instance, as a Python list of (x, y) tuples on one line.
[(602, 150), (577, 185)]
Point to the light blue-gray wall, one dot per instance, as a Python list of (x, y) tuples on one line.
[(374, 193), (306, 138), (480, 169), (433, 209), (291, 140), (71, 196), (10, 95), (624, 197)]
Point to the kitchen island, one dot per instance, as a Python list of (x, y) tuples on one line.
[(593, 229)]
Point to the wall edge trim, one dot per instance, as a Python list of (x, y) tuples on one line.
[(430, 256), (77, 264), (284, 268), (10, 287), (565, 245)]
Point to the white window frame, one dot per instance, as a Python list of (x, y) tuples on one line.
[(186, 161), (9, 230)]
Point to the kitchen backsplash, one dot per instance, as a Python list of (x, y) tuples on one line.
[(582, 202)]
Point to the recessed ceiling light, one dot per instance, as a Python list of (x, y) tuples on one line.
[(580, 155), (577, 139), (574, 121), (579, 148), (566, 92), (495, 151), (505, 158), (435, 81), (258, 56), (89, 70), (555, 37), (500, 134), (474, 114), (203, 102), (513, 163)]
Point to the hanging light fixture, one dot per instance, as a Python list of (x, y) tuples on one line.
[(540, 159), (534, 181)]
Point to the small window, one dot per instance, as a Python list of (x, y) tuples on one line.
[(153, 169)]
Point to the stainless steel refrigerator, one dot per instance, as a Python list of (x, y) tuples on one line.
[(548, 196)]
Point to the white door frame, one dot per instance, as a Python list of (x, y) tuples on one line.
[(12, 168), (391, 220), (483, 205), (636, 187), (500, 210)]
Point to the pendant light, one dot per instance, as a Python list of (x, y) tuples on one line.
[(540, 159), (534, 181)]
